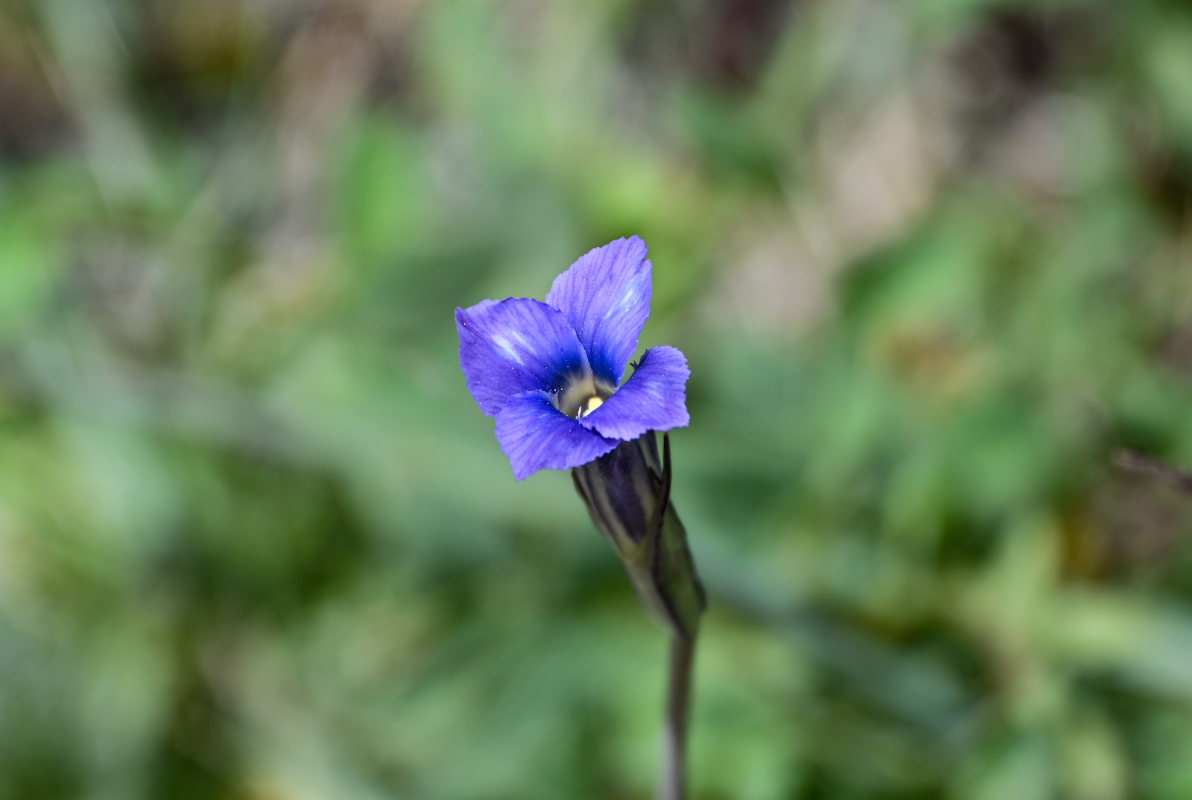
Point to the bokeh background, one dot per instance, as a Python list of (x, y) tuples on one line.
[(931, 263)]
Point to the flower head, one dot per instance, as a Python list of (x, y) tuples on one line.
[(550, 373)]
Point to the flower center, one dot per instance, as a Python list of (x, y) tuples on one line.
[(583, 396), (594, 402)]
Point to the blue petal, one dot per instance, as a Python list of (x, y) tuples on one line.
[(605, 295), (536, 435), (653, 399), (513, 346)]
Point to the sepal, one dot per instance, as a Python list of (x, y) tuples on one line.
[(627, 492)]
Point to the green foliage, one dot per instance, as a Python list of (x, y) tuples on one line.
[(930, 265)]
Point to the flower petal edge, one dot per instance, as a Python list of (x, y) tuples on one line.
[(515, 345), (605, 295), (653, 399), (535, 435)]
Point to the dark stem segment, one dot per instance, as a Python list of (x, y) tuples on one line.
[(672, 782), (1134, 461)]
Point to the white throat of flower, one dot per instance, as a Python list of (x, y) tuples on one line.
[(582, 396)]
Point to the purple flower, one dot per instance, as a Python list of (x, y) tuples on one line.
[(550, 373)]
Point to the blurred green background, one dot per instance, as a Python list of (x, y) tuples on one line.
[(931, 263)]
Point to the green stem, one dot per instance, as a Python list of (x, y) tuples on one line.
[(672, 783)]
